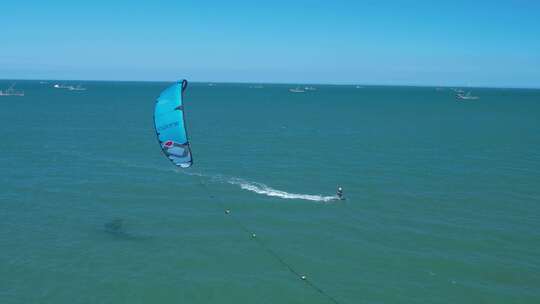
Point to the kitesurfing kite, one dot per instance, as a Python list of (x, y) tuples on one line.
[(170, 125)]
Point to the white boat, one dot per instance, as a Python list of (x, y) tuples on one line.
[(11, 91), (61, 86), (297, 90), (467, 96), (310, 89), (76, 88)]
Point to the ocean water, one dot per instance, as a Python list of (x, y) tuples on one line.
[(443, 197)]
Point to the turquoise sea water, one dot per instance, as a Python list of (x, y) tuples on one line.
[(443, 196)]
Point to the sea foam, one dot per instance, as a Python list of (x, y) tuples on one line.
[(263, 189)]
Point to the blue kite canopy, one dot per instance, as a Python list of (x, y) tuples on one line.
[(170, 125)]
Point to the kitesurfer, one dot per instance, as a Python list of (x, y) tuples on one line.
[(339, 193)]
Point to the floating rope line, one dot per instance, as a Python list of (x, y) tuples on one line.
[(264, 246)]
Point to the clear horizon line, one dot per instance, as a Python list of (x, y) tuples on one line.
[(283, 83)]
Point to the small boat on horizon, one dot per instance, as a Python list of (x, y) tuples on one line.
[(297, 90), (11, 91), (466, 96), (69, 87), (61, 86), (76, 88)]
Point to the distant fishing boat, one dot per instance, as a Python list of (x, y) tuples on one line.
[(61, 86), (11, 91), (69, 87), (297, 90), (76, 88), (467, 96)]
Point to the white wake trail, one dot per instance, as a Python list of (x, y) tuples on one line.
[(268, 191), (263, 189)]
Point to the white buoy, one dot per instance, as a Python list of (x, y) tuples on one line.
[(253, 235), (227, 211), (303, 277)]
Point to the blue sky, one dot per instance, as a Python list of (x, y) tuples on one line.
[(476, 43)]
